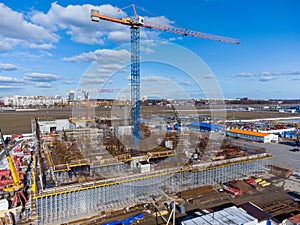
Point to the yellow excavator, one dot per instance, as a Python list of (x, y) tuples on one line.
[(17, 187)]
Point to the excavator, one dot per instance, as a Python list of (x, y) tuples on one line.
[(17, 187)]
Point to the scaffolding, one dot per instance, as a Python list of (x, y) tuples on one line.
[(82, 172), (64, 203)]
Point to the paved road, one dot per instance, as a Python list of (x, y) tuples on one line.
[(281, 154)]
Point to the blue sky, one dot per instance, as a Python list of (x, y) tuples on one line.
[(49, 47)]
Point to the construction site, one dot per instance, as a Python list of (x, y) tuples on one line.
[(86, 171), (89, 169)]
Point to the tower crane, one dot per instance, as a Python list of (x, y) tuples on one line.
[(135, 24)]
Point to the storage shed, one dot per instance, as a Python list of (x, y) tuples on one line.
[(252, 135), (206, 127)]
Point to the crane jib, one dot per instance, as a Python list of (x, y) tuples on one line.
[(139, 22)]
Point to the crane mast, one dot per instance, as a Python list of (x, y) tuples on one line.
[(135, 83), (135, 25)]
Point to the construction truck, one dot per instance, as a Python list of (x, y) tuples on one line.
[(16, 187)]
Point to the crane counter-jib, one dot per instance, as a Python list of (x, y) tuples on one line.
[(96, 18)]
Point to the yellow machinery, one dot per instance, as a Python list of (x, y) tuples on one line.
[(17, 183)]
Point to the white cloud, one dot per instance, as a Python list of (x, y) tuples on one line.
[(87, 75), (8, 43), (41, 77), (162, 20), (28, 55), (76, 15), (7, 67), (5, 44), (119, 36), (175, 38), (11, 80), (244, 75), (45, 53), (69, 82), (39, 30), (103, 70), (75, 19), (16, 28), (43, 85), (101, 55), (151, 35), (97, 75), (292, 73), (265, 73), (45, 46), (155, 79), (91, 38), (146, 50), (186, 83), (268, 78), (112, 67), (209, 76), (268, 74), (152, 79), (148, 43), (8, 88), (92, 80)]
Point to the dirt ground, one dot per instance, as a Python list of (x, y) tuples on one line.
[(20, 122)]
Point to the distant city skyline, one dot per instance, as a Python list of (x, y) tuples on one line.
[(49, 47)]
